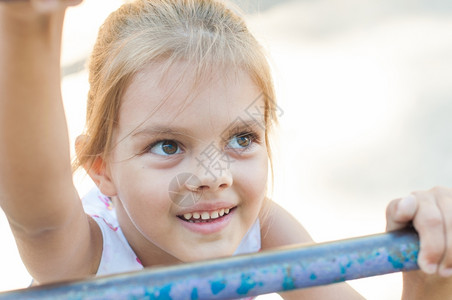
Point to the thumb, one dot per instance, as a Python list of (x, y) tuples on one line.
[(400, 212)]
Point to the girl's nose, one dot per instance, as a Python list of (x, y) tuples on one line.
[(213, 176), (206, 176)]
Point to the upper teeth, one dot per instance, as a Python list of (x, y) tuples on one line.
[(205, 215)]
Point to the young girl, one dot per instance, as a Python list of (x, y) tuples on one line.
[(180, 108)]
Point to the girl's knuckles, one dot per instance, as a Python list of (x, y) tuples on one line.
[(433, 254), (429, 222)]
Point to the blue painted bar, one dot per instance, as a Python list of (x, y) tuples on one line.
[(248, 275)]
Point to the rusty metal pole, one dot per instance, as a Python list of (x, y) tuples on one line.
[(248, 275)]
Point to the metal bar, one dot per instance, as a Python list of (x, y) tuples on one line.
[(248, 275)]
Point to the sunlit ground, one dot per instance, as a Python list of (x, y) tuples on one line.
[(366, 92)]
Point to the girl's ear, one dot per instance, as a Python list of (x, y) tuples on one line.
[(98, 170), (100, 174)]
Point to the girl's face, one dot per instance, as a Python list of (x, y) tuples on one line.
[(188, 170)]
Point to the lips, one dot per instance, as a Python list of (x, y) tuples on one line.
[(207, 221), (204, 216)]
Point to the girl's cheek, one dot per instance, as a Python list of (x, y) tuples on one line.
[(253, 176), (153, 161)]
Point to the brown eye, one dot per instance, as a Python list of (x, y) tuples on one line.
[(240, 141), (167, 147), (244, 141)]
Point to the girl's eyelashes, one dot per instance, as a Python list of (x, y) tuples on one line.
[(164, 148), (242, 141)]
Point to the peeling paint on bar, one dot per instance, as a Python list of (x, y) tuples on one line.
[(248, 275)]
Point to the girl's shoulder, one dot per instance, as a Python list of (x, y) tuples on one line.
[(96, 204), (279, 228), (117, 255), (251, 242)]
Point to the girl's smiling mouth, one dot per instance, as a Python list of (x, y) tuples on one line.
[(205, 216), (207, 222)]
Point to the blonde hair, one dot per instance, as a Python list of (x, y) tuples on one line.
[(202, 32)]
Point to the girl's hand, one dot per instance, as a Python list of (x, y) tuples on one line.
[(430, 212), (46, 6), (28, 7), (23, 18)]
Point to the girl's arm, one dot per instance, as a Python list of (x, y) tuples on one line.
[(56, 240), (279, 228)]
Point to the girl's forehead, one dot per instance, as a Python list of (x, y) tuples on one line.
[(157, 93)]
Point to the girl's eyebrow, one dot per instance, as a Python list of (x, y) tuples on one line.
[(162, 130), (236, 125), (240, 124)]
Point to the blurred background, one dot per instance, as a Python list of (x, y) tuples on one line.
[(366, 92)]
